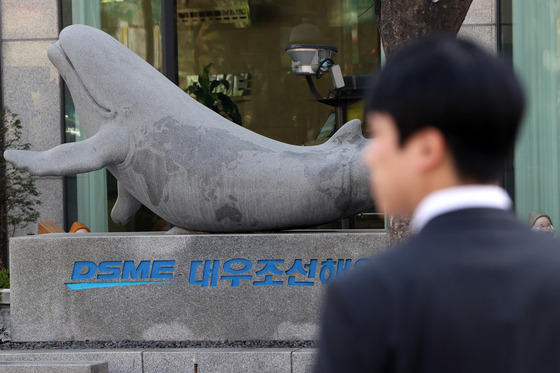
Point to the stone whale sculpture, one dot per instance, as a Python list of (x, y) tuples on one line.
[(183, 161)]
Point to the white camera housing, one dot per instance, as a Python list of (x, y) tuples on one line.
[(306, 57)]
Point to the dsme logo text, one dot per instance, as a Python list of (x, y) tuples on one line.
[(122, 273)]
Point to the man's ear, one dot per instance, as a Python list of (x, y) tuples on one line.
[(430, 149)]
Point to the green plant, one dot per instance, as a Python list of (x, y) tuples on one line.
[(206, 92), (4, 278), (18, 192)]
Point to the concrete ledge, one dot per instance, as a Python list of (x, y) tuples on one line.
[(215, 360), (178, 287), (4, 298), (218, 360), (303, 360), (54, 367), (118, 360)]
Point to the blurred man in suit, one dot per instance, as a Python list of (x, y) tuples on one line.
[(473, 289)]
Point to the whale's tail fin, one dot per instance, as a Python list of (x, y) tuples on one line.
[(349, 133)]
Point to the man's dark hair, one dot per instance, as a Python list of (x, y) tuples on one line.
[(472, 97)]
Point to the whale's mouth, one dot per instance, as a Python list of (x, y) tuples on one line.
[(63, 64)]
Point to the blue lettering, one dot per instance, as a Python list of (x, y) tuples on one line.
[(328, 267), (299, 267), (228, 268), (162, 269), (269, 266), (132, 272), (109, 270), (192, 274), (343, 266), (209, 273), (79, 267)]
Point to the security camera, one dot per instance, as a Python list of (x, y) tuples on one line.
[(315, 59), (306, 57)]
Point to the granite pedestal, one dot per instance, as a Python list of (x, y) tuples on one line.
[(178, 287)]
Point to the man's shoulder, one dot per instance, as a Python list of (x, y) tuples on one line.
[(425, 256), (381, 270)]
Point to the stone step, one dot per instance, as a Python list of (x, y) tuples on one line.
[(54, 367), (4, 298), (218, 360), (209, 360)]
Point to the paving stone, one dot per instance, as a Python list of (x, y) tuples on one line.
[(53, 367), (263, 360), (303, 360), (118, 361)]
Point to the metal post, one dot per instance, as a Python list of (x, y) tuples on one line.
[(340, 111), (169, 39)]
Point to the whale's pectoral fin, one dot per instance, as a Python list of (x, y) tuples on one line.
[(107, 147), (125, 207)]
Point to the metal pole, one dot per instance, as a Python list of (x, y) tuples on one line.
[(169, 39), (340, 111)]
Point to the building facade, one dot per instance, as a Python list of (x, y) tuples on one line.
[(244, 41)]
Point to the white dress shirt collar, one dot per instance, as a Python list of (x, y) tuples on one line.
[(458, 198)]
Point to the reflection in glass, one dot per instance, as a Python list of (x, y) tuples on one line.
[(245, 40), (536, 56)]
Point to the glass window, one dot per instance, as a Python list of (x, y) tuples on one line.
[(536, 57), (245, 41)]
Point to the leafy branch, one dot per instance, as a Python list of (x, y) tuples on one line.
[(18, 193), (205, 92)]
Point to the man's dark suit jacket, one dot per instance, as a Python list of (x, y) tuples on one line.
[(474, 291)]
